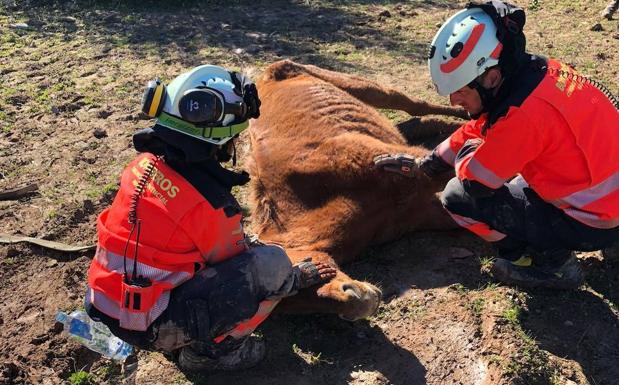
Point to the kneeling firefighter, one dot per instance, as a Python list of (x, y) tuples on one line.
[(537, 166), (173, 271)]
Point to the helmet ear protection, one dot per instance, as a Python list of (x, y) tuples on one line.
[(153, 99), (208, 107)]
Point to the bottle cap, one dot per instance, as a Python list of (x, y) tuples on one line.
[(61, 316)]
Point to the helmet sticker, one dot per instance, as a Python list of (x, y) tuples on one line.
[(467, 48)]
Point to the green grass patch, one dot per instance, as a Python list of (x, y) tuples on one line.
[(535, 5), (310, 358), (512, 314), (530, 366), (395, 116), (10, 261), (5, 123), (485, 263), (80, 378), (477, 306), (458, 288)]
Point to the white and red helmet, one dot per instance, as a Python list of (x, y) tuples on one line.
[(462, 49)]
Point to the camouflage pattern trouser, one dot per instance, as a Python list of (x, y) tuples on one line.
[(219, 307), (224, 303)]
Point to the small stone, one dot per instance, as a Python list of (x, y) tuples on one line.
[(253, 35), (103, 114), (9, 371), (253, 48), (597, 27), (20, 26), (238, 51), (99, 133), (29, 318), (601, 56), (568, 323), (68, 19), (51, 263), (38, 340), (113, 18), (12, 253), (88, 205), (55, 110)]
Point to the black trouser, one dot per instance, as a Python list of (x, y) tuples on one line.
[(527, 221)]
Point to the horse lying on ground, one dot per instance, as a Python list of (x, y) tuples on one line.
[(315, 190)]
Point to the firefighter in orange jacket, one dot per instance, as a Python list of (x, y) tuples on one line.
[(537, 167), (173, 270)]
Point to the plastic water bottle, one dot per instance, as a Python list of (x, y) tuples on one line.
[(94, 335)]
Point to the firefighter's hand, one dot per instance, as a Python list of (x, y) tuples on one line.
[(433, 165), (402, 164)]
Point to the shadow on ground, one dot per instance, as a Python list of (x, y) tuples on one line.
[(582, 326), (317, 32), (325, 349)]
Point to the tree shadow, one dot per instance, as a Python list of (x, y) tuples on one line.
[(324, 349), (424, 260), (328, 34), (305, 349), (603, 277), (579, 326)]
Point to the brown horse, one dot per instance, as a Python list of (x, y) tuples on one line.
[(315, 189)]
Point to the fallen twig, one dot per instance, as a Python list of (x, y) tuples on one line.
[(18, 192)]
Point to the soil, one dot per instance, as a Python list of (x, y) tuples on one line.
[(71, 78)]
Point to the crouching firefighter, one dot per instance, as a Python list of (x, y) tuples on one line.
[(173, 271), (537, 167)]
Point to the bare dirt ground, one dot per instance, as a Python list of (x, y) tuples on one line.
[(71, 78)]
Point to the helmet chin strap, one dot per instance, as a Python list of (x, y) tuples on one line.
[(486, 95)]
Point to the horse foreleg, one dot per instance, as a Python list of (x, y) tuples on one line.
[(344, 296)]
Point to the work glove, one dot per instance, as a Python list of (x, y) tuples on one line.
[(402, 164), (433, 165), (244, 87), (250, 96)]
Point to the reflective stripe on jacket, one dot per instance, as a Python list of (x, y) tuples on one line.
[(180, 232), (564, 141)]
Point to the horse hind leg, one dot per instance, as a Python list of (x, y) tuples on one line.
[(418, 129), (378, 96)]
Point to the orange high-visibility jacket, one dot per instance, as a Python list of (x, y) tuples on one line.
[(563, 140), (180, 232)]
